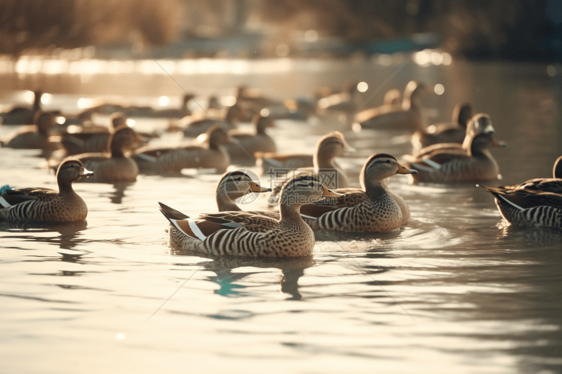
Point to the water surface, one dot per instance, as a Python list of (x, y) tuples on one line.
[(453, 291)]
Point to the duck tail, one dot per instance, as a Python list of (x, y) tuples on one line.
[(171, 213)]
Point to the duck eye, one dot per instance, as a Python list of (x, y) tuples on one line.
[(388, 161)]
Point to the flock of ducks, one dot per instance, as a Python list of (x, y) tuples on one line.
[(315, 196)]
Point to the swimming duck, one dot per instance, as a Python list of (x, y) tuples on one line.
[(180, 112), (94, 138), (346, 101), (324, 168), (219, 234), (210, 155), (325, 157), (113, 165), (392, 98), (193, 127), (21, 115), (46, 205), (35, 136), (471, 161), (447, 132), (373, 208), (245, 145), (233, 185), (407, 117), (528, 207)]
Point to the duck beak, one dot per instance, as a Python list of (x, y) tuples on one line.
[(347, 149), (86, 173), (257, 188), (495, 143), (404, 170), (330, 193)]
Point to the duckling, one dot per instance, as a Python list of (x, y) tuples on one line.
[(35, 136), (180, 112), (447, 132), (21, 115), (217, 234), (197, 126), (46, 205), (245, 145), (211, 155), (454, 163), (370, 209), (324, 168), (407, 117), (113, 166), (346, 101), (528, 207)]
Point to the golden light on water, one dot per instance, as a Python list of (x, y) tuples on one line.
[(264, 112), (131, 122), (228, 100), (439, 89), (29, 96), (46, 98), (163, 101)]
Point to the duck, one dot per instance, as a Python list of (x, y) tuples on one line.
[(453, 132), (346, 101), (392, 97), (252, 100), (193, 127), (451, 162), (219, 234), (211, 155), (233, 185), (325, 156), (528, 207), (113, 165), (245, 145), (47, 205), (35, 136), (22, 115), (180, 112), (324, 167), (373, 208), (409, 116), (93, 138)]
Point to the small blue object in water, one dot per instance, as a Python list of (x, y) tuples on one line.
[(5, 189)]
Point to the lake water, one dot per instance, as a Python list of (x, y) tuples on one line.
[(455, 291)]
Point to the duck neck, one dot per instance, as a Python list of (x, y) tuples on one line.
[(65, 189), (323, 161), (375, 189), (290, 213), (224, 202), (260, 129), (115, 150)]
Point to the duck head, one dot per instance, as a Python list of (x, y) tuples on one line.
[(380, 166), (413, 94), (216, 137), (302, 190), (44, 121), (480, 135), (117, 119), (236, 184), (124, 137), (71, 170), (329, 147)]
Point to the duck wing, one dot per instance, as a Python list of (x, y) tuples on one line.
[(257, 221)]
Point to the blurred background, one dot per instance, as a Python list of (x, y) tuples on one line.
[(476, 29)]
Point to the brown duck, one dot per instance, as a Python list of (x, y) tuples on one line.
[(46, 205), (35, 136)]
